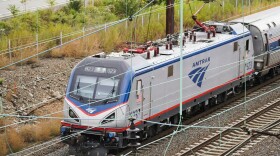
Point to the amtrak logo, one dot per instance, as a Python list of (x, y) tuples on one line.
[(200, 62), (197, 74), (91, 110)]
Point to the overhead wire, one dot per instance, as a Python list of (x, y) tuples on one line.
[(98, 101), (49, 76), (107, 25), (22, 47), (52, 142), (170, 80), (205, 120), (89, 29), (35, 44), (196, 126), (118, 22), (166, 95)]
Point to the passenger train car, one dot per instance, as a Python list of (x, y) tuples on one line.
[(104, 91), (265, 30)]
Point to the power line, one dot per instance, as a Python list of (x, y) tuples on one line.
[(81, 106), (118, 22), (230, 64)]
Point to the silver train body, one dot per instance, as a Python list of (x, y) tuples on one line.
[(265, 30), (104, 91)]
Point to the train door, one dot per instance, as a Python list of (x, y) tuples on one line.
[(241, 57), (143, 98)]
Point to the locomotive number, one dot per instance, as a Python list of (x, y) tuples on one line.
[(249, 65), (135, 114)]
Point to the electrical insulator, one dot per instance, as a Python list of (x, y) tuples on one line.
[(208, 34), (186, 33), (191, 36), (214, 33), (194, 38), (148, 55)]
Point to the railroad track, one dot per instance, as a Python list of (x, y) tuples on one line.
[(234, 101), (50, 148), (235, 141)]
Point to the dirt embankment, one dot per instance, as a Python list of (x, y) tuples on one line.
[(33, 85), (35, 89)]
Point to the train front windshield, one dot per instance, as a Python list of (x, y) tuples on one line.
[(95, 88)]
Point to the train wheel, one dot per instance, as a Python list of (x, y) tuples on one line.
[(152, 131), (72, 150), (97, 151), (277, 70), (202, 106), (222, 97), (175, 119), (237, 89), (144, 134), (196, 109), (272, 72), (259, 78), (212, 101)]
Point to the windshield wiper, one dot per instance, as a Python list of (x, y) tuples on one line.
[(80, 97), (111, 93), (77, 97), (78, 87)]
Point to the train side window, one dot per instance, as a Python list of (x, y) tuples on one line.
[(274, 24), (235, 46), (247, 45), (170, 71), (268, 25), (138, 89)]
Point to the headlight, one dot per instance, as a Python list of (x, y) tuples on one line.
[(259, 65), (108, 119), (73, 115)]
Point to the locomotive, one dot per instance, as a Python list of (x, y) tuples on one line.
[(104, 91)]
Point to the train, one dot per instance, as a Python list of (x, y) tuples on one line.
[(106, 90)]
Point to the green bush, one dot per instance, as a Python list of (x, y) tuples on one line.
[(1, 81), (127, 8), (75, 5)]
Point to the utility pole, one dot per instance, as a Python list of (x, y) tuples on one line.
[(169, 17)]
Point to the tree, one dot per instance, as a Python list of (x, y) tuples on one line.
[(13, 9), (51, 3), (23, 2), (75, 5), (125, 8)]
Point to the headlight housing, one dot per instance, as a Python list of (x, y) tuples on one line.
[(72, 114), (109, 118)]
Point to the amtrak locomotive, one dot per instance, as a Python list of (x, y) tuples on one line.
[(104, 91)]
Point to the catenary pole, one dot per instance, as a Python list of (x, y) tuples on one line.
[(181, 58)]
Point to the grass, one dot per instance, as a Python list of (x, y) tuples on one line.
[(28, 134), (9, 95), (1, 81), (15, 140), (3, 145), (2, 123)]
